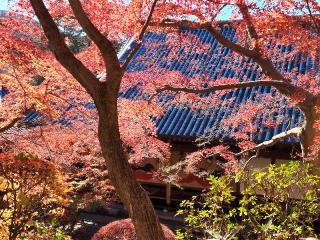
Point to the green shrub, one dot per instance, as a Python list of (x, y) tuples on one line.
[(47, 231), (280, 202)]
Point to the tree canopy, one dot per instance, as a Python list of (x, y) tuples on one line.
[(41, 73)]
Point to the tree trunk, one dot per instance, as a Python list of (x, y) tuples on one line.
[(310, 134), (134, 197)]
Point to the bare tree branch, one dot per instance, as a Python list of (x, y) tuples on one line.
[(246, 163), (216, 33), (228, 43), (312, 17), (140, 37), (104, 44), (275, 139), (63, 54), (266, 64), (285, 88), (11, 124), (250, 26)]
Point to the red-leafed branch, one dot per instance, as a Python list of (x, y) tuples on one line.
[(297, 131), (62, 53), (140, 37), (104, 44), (278, 80), (11, 124), (265, 64)]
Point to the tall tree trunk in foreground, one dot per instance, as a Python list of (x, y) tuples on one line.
[(105, 95), (134, 197), (310, 135)]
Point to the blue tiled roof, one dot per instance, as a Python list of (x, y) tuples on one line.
[(3, 92), (32, 117), (180, 123)]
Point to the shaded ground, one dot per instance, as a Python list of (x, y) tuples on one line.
[(93, 222)]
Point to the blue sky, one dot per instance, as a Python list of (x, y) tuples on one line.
[(3, 4), (223, 16)]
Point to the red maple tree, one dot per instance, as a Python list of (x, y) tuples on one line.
[(71, 79)]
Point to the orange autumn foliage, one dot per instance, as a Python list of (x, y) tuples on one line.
[(258, 26), (31, 190)]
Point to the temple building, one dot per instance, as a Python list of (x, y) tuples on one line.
[(182, 126)]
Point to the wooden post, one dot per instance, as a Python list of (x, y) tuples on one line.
[(168, 194)]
